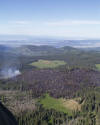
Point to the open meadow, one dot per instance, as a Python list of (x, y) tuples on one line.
[(48, 64)]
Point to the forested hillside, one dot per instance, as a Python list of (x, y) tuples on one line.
[(55, 86)]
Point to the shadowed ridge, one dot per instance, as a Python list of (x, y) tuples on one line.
[(6, 117)]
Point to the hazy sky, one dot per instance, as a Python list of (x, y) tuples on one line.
[(68, 18)]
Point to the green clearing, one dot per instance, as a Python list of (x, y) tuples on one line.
[(98, 66), (60, 105), (48, 64)]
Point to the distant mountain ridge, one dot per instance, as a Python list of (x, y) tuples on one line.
[(32, 50), (58, 43)]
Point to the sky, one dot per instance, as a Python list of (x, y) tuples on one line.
[(53, 18)]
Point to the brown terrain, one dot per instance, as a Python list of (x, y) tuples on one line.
[(58, 83)]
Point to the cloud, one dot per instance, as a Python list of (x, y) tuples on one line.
[(73, 22), (61, 28), (20, 22), (59, 23)]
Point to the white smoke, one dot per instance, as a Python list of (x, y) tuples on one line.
[(9, 73)]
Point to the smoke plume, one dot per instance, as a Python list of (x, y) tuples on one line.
[(9, 73)]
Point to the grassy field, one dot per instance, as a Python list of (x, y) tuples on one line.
[(98, 66), (62, 105), (48, 64)]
